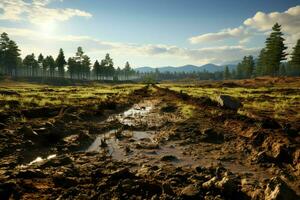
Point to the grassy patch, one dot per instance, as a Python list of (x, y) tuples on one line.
[(280, 101), (31, 96)]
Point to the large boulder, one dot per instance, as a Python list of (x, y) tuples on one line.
[(229, 102)]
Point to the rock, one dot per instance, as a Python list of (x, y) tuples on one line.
[(28, 132), (277, 189), (229, 102), (227, 186), (169, 158), (209, 184), (190, 191), (211, 135)]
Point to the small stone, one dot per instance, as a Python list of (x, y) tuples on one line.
[(190, 191)]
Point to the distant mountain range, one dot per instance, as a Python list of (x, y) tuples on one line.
[(187, 68)]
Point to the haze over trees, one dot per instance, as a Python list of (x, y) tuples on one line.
[(271, 61)]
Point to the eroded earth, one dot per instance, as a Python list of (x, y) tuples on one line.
[(154, 144)]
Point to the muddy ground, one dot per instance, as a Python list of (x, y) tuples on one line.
[(144, 147)]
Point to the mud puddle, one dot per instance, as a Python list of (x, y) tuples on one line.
[(116, 144)]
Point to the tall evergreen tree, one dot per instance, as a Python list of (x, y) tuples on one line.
[(72, 67), (41, 62), (295, 60), (50, 62), (97, 69), (86, 66), (245, 69), (274, 51), (60, 63), (30, 65), (127, 70), (9, 55), (261, 63), (226, 74)]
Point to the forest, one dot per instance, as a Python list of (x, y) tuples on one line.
[(271, 61)]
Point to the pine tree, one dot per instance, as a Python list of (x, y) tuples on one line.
[(97, 69), (30, 65), (108, 66), (274, 51), (9, 55), (51, 65), (86, 63), (249, 67), (295, 60), (12, 56), (60, 63), (127, 70), (41, 62), (226, 74), (261, 63), (72, 65)]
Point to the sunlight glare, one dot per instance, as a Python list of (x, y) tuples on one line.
[(48, 28)]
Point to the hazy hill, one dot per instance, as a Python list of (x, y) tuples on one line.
[(186, 68)]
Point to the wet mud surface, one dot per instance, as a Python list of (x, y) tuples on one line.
[(145, 147)]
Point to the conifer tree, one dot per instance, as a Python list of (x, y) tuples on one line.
[(60, 63), (9, 55), (226, 74), (295, 60), (274, 51), (97, 69)]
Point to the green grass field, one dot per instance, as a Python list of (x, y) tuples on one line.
[(279, 101), (31, 95)]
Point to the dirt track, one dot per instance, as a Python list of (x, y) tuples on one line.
[(145, 148)]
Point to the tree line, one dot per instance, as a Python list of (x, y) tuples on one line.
[(271, 61), (78, 67)]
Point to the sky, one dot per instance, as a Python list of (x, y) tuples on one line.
[(149, 32)]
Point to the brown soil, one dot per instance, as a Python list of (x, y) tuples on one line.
[(143, 147)]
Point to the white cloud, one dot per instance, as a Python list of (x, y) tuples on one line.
[(37, 11), (239, 32), (260, 23), (289, 20), (96, 48)]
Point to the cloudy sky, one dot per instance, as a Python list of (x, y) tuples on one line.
[(149, 32)]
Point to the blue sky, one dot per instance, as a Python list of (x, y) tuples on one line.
[(149, 33)]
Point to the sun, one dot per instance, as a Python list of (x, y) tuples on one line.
[(48, 28)]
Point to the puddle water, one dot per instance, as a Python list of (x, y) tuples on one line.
[(134, 115), (114, 142)]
